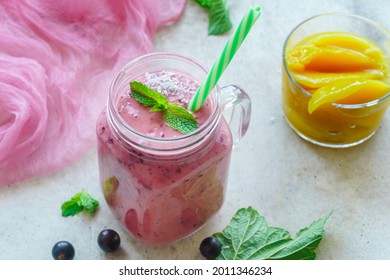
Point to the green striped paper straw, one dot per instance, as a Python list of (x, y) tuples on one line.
[(227, 54)]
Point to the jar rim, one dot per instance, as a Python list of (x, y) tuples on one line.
[(144, 141)]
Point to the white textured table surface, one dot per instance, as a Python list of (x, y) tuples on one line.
[(287, 180)]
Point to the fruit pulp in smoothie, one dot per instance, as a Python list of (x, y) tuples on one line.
[(335, 67), (163, 198)]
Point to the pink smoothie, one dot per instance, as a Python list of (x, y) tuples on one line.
[(176, 88), (162, 198)]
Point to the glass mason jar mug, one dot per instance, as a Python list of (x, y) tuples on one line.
[(163, 186)]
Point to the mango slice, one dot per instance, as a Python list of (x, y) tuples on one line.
[(348, 92), (344, 40), (329, 59), (312, 79)]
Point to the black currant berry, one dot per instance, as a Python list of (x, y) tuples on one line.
[(210, 247), (63, 250), (109, 240)]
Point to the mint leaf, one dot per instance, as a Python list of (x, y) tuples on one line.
[(148, 97), (248, 237), (204, 3), (174, 115), (88, 202), (79, 202), (180, 119), (71, 208), (219, 18)]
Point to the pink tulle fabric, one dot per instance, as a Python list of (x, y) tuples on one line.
[(57, 60)]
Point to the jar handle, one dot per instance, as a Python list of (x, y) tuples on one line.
[(236, 108)]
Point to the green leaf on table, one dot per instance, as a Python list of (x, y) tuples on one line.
[(204, 3), (180, 119), (79, 202), (71, 208), (219, 18), (248, 237)]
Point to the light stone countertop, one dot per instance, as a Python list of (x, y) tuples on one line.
[(289, 181)]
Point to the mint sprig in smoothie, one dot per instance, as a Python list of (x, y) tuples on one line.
[(173, 114)]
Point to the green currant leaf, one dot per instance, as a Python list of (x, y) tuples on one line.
[(248, 237)]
